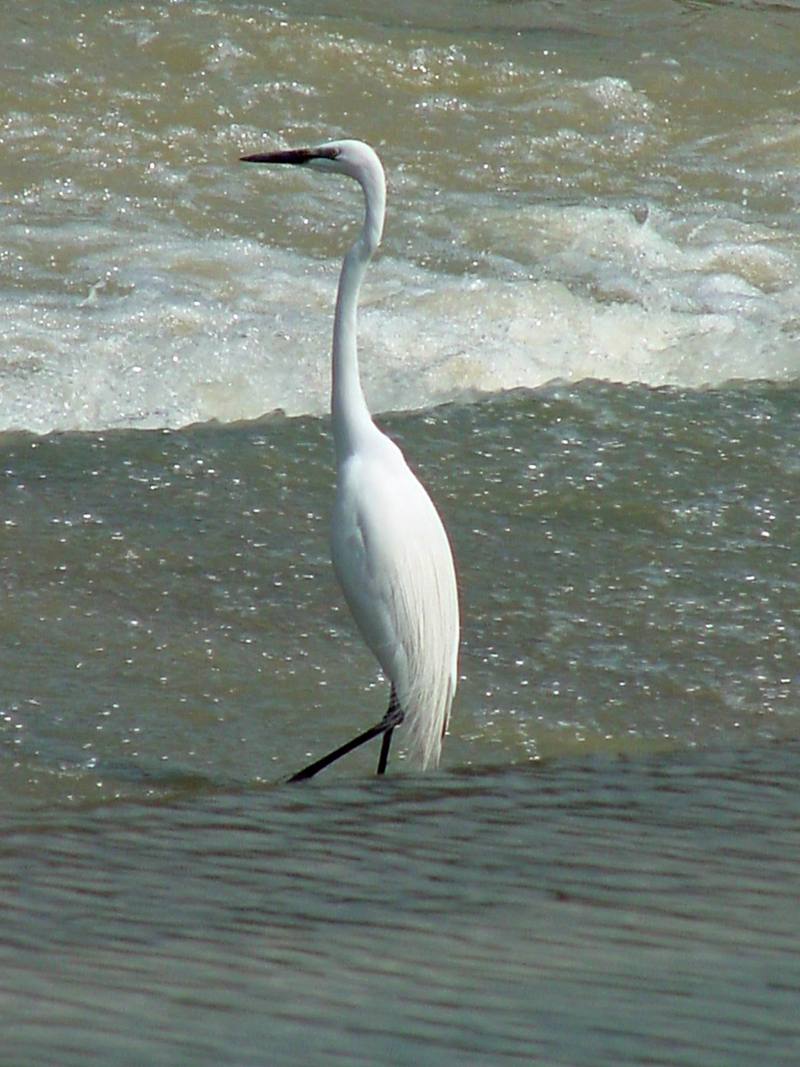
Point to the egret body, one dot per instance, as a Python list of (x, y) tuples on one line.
[(389, 547)]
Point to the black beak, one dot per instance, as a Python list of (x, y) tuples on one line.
[(297, 156)]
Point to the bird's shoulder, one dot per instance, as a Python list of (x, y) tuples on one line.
[(378, 488)]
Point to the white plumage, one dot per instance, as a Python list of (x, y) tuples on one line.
[(400, 588), (389, 546)]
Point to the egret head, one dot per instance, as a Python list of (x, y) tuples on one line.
[(353, 158), (356, 160)]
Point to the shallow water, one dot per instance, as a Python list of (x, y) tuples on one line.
[(626, 556), (605, 870), (583, 331), (586, 913)]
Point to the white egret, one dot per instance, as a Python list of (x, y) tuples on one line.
[(389, 547)]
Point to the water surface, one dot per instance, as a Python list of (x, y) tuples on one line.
[(583, 330)]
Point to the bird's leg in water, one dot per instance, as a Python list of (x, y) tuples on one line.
[(393, 709), (393, 717)]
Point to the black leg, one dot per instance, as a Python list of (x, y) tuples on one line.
[(392, 718), (393, 709), (383, 759)]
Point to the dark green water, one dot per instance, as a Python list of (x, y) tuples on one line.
[(627, 559), (582, 913), (605, 869)]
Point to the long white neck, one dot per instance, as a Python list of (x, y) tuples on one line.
[(351, 417)]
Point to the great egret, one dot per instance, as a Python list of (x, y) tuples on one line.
[(389, 547)]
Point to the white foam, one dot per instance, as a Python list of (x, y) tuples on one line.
[(178, 331)]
